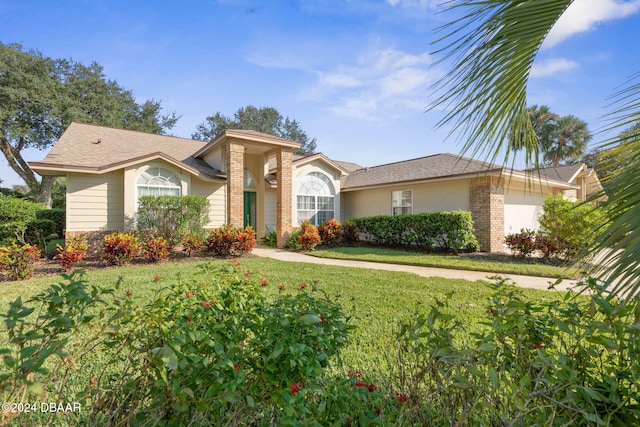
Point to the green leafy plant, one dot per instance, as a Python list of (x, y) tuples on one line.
[(16, 261), (228, 241), (309, 237), (120, 248), (193, 243), (73, 252), (58, 216), (330, 232), (156, 249), (15, 214), (350, 233), (172, 217), (269, 238), (444, 230)]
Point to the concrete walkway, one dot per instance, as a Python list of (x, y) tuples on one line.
[(519, 280)]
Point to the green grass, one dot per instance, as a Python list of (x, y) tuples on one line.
[(376, 300), (394, 256)]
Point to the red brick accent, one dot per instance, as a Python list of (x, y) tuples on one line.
[(235, 184), (486, 202), (284, 175)]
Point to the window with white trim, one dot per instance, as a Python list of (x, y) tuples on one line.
[(315, 199), (158, 182), (401, 202)]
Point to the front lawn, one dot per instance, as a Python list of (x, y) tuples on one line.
[(452, 261), (423, 375)]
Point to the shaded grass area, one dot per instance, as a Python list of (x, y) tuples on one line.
[(451, 261), (375, 300)]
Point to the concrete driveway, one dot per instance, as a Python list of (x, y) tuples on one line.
[(519, 280)]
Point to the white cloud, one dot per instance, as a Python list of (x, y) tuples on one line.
[(378, 83), (552, 66), (585, 15)]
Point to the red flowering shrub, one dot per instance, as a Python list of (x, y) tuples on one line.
[(119, 248), (16, 262), (308, 237), (330, 232), (156, 250), (522, 244), (228, 241), (74, 251), (192, 243)]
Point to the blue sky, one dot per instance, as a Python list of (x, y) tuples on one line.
[(355, 74)]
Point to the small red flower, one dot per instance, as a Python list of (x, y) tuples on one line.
[(264, 282), (207, 304), (157, 278), (295, 387), (237, 366), (128, 293), (235, 262), (281, 287), (323, 319), (538, 346), (376, 409), (356, 374), (372, 387), (361, 385), (302, 285), (401, 397), (187, 294), (347, 421), (189, 320)]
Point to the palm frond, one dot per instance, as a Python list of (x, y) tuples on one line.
[(619, 240), (493, 46)]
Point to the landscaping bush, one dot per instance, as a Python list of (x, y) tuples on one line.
[(120, 248), (16, 261), (193, 243), (172, 217), (58, 216), (569, 226), (211, 350), (15, 214), (445, 230), (37, 232), (350, 233), (330, 232), (522, 244), (229, 241), (293, 243), (572, 362), (156, 249), (309, 237), (270, 238), (73, 252)]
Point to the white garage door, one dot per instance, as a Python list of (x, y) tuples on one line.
[(522, 209)]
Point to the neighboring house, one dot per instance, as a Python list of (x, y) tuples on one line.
[(251, 178)]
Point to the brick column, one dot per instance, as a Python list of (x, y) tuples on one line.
[(235, 184), (486, 202), (284, 175)]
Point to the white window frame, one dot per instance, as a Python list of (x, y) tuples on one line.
[(308, 202), (169, 182), (398, 201)]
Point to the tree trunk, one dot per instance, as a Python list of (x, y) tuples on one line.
[(44, 191), (41, 190)]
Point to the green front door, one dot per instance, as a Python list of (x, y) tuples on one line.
[(250, 209)]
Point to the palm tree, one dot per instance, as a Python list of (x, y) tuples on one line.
[(492, 48), (567, 140)]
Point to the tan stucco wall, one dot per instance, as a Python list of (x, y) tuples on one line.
[(95, 202), (428, 197), (325, 169)]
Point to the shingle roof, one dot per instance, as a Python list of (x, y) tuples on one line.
[(561, 173), (423, 168), (78, 147)]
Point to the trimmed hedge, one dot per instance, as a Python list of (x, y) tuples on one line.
[(58, 216), (443, 230)]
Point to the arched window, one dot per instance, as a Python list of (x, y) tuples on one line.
[(316, 199), (158, 182)]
